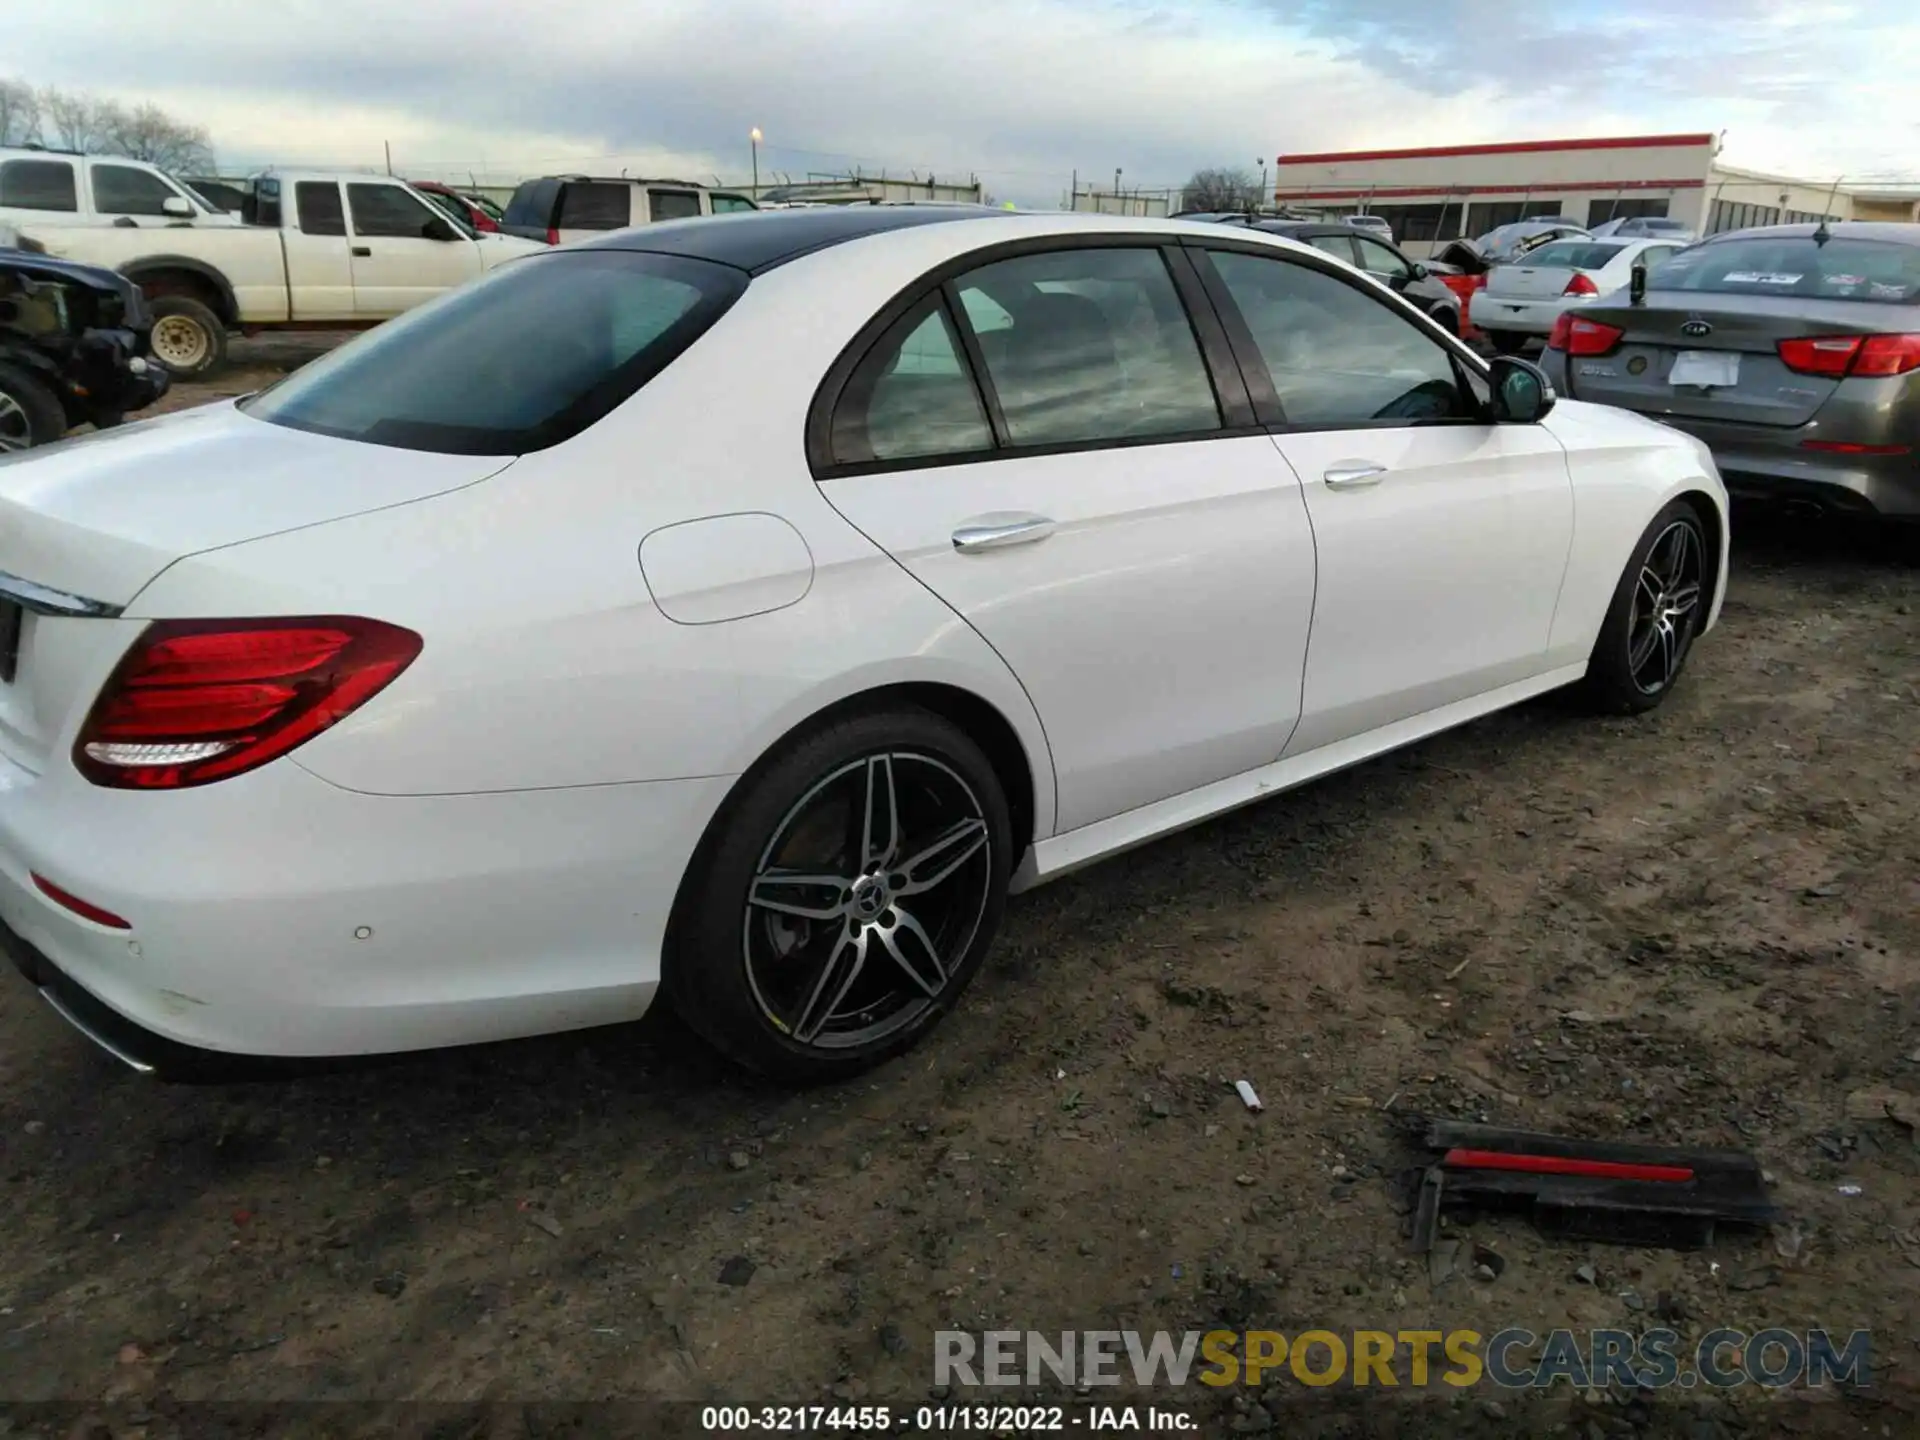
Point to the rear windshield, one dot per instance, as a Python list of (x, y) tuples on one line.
[(1574, 255), (532, 204), (526, 357), (1797, 265)]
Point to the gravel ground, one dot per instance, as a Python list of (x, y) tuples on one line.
[(1697, 927)]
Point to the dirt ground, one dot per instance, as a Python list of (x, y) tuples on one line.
[(1700, 927)]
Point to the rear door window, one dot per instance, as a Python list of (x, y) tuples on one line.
[(912, 396), (38, 185), (595, 205), (318, 204), (1100, 348), (672, 204), (728, 204), (525, 357), (1840, 269)]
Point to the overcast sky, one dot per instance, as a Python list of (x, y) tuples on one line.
[(1022, 92)]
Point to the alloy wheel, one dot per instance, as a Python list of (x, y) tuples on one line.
[(16, 426), (867, 899), (1666, 607)]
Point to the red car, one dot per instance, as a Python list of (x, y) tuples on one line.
[(465, 206)]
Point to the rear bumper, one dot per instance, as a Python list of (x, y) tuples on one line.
[(1524, 316), (1759, 464), (291, 919)]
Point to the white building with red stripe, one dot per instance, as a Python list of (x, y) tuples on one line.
[(1445, 192)]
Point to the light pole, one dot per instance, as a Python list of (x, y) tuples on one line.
[(753, 138), (1119, 208), (1263, 184)]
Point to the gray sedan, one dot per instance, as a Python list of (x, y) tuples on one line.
[(1793, 351)]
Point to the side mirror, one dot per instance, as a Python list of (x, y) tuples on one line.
[(1522, 394), (438, 229), (1637, 284), (1420, 272), (177, 207)]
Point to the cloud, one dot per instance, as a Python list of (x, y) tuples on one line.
[(1023, 92)]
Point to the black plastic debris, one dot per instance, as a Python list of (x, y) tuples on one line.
[(1588, 1189)]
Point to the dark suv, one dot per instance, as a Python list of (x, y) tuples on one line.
[(73, 348), (1384, 262)]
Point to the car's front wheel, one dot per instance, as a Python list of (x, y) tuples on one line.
[(1657, 610), (846, 896)]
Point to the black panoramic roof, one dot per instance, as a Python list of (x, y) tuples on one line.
[(758, 240)]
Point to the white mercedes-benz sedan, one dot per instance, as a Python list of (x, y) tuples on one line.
[(736, 610)]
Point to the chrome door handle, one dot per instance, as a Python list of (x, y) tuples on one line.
[(993, 532), (1355, 475)]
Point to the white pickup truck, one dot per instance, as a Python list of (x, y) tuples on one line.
[(325, 252)]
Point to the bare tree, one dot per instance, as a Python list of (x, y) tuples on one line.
[(146, 132), (19, 113), (75, 121), (1220, 189)]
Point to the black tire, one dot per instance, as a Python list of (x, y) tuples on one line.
[(1618, 681), (1507, 342), (1446, 317), (30, 413), (751, 980), (188, 339)]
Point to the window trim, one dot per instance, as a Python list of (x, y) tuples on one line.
[(95, 166), (1238, 417), (75, 188), (380, 182), (1468, 366)]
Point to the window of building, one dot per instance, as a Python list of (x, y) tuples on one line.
[(1618, 207), (1488, 216), (1340, 357), (38, 185), (1423, 223)]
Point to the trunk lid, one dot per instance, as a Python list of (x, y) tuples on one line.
[(95, 519), (1528, 282), (1638, 375)]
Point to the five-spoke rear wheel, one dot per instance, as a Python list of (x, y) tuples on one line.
[(847, 895), (1658, 607)]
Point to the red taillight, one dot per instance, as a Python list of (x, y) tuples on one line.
[(553, 236), (85, 909), (1838, 355), (199, 700), (1577, 335), (1581, 285)]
